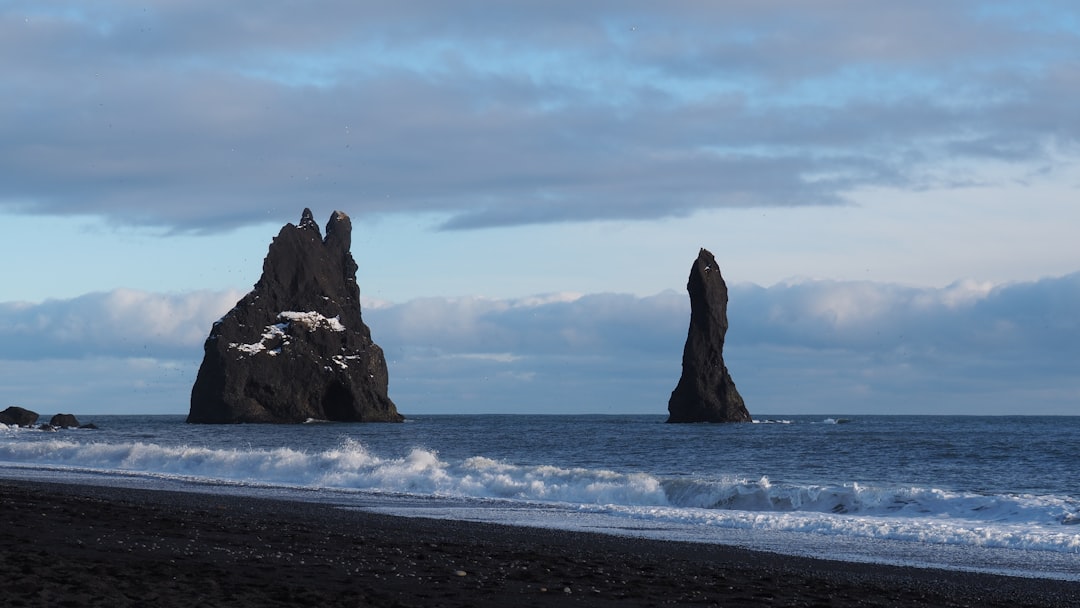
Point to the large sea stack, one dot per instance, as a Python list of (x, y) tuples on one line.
[(705, 392), (295, 348)]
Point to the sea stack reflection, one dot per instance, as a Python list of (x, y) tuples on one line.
[(296, 348), (706, 392)]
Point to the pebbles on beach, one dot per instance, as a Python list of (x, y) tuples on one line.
[(90, 546)]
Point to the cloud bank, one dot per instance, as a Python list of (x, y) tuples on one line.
[(798, 347), (122, 323), (203, 116)]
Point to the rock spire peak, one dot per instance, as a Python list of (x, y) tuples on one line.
[(706, 392), (296, 348), (307, 220)]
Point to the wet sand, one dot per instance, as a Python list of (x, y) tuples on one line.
[(71, 545)]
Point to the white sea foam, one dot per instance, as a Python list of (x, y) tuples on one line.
[(931, 530), (853, 510)]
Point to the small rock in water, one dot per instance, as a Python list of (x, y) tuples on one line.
[(64, 421), (18, 416)]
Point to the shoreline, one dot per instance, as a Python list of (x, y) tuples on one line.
[(98, 545)]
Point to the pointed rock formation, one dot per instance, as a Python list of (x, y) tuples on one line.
[(705, 392), (296, 348)]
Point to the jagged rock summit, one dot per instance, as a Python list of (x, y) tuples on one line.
[(296, 348), (706, 392)]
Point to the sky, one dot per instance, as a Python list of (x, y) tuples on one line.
[(890, 189)]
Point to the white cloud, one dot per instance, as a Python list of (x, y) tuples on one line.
[(967, 316), (120, 323), (497, 357), (98, 385), (810, 346)]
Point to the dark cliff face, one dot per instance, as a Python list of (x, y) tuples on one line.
[(706, 392), (295, 347)]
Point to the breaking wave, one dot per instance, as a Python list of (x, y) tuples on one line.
[(905, 512)]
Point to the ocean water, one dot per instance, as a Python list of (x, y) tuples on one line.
[(991, 494)]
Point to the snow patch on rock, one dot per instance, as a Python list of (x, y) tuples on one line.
[(273, 332), (312, 320)]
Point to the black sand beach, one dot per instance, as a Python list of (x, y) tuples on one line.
[(70, 545)]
